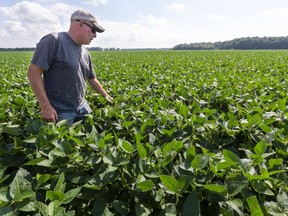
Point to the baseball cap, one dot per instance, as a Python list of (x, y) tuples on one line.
[(84, 15)]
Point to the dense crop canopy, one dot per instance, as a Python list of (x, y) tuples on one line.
[(189, 133)]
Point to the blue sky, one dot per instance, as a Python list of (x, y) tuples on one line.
[(145, 23)]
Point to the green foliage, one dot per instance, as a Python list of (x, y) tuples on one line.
[(245, 43), (189, 133)]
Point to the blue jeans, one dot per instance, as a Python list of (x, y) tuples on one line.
[(72, 117)]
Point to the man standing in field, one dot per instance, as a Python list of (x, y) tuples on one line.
[(65, 66)]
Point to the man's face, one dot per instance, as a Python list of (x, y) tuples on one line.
[(88, 32)]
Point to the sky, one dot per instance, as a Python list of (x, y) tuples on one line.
[(145, 23)]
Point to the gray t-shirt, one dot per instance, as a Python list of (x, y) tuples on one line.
[(67, 66)]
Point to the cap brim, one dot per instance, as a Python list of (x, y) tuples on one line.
[(98, 28)]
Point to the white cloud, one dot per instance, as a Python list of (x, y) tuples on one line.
[(29, 12), (149, 31), (95, 2), (61, 9), (175, 6), (26, 22), (274, 12), (151, 20), (3, 34), (215, 17), (14, 27)]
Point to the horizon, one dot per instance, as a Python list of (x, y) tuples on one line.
[(152, 48)]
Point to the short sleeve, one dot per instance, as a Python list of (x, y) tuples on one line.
[(92, 73), (45, 51)]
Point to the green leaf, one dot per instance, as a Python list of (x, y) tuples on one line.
[(254, 206), (178, 146), (60, 186), (100, 207), (191, 205), (170, 183), (7, 211), (67, 148), (127, 123), (230, 156), (237, 205), (143, 209), (121, 207), (125, 145), (55, 209), (257, 159), (224, 165), (218, 189), (282, 200), (191, 152), (22, 194), (55, 195), (35, 161), (168, 158), (140, 148), (173, 145), (168, 147), (152, 138), (120, 161), (4, 194), (235, 184), (55, 153), (3, 176), (41, 141), (70, 195), (77, 141), (43, 208), (274, 163), (44, 163), (184, 110), (169, 209), (20, 185), (13, 130), (145, 185), (196, 162), (261, 187), (185, 182), (265, 128), (260, 148), (108, 159), (208, 112), (42, 178), (200, 161), (31, 139), (274, 209), (27, 206)]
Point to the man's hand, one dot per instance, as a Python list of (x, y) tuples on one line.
[(49, 114), (109, 98)]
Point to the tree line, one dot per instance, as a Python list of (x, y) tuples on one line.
[(244, 43), (18, 49)]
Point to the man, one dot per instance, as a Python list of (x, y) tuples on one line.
[(60, 68)]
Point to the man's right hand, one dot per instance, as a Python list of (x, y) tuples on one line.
[(49, 114)]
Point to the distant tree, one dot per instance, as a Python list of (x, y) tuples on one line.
[(244, 43)]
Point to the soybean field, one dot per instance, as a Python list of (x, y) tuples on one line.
[(189, 133)]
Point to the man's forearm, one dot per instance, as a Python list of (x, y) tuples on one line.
[(34, 74), (98, 87), (36, 83)]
